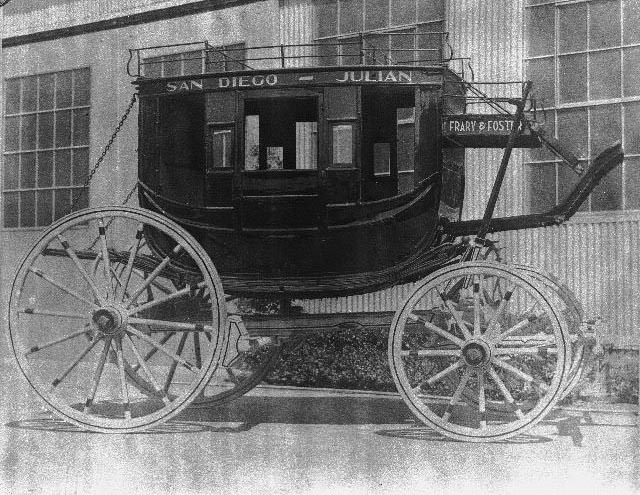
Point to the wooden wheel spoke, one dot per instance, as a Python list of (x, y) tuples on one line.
[(72, 366), (81, 269), (431, 352), (457, 394), (197, 351), (162, 349), (132, 256), (102, 234), (174, 365), (540, 350), (449, 369), (514, 371), (176, 326), (189, 290), (142, 364), (123, 378), (51, 343), (505, 392), (152, 352), (62, 287), (482, 409), (521, 325), (59, 314), (455, 314), (476, 307), (98, 374), (153, 275), (436, 329)]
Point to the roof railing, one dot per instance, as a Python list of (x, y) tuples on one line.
[(378, 48)]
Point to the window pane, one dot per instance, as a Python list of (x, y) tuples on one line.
[(152, 67), (11, 209), (12, 92), (542, 72), (45, 208), (222, 144), (28, 171), (402, 45), (604, 24), (81, 198), (45, 130), (81, 127), (45, 169), (350, 16), (63, 89), (275, 157), (376, 14), (61, 202), (172, 65), (381, 158), (11, 171), (632, 127), (251, 142), (541, 30), (567, 179), (404, 11), (604, 75), (81, 87), (608, 194), (342, 144), (429, 41), (572, 130), (573, 28), (632, 71), (63, 167), (28, 139), (193, 62), (80, 166), (28, 209), (376, 48), (573, 78), (631, 20), (327, 12), (542, 195), (542, 153), (30, 94), (432, 10), (45, 97), (632, 183), (12, 133), (606, 127), (350, 51), (328, 53), (306, 145), (63, 128)]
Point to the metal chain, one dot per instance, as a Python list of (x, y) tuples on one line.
[(106, 149)]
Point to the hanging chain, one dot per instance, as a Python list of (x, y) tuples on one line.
[(106, 149)]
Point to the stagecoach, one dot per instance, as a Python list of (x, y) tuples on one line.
[(294, 174)]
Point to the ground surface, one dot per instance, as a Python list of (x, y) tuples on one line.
[(299, 441)]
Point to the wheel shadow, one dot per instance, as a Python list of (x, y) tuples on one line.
[(173, 426), (426, 434)]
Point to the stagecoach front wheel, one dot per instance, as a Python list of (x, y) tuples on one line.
[(478, 351), (110, 292)]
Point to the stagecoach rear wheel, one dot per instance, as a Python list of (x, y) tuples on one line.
[(482, 330), (78, 326)]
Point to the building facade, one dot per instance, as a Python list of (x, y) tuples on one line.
[(66, 87)]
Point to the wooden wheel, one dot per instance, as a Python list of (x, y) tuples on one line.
[(571, 310), (79, 327), (481, 328)]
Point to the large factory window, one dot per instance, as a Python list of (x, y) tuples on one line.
[(379, 31), (46, 152), (583, 58)]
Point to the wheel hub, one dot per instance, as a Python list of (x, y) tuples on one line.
[(109, 320), (476, 353)]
